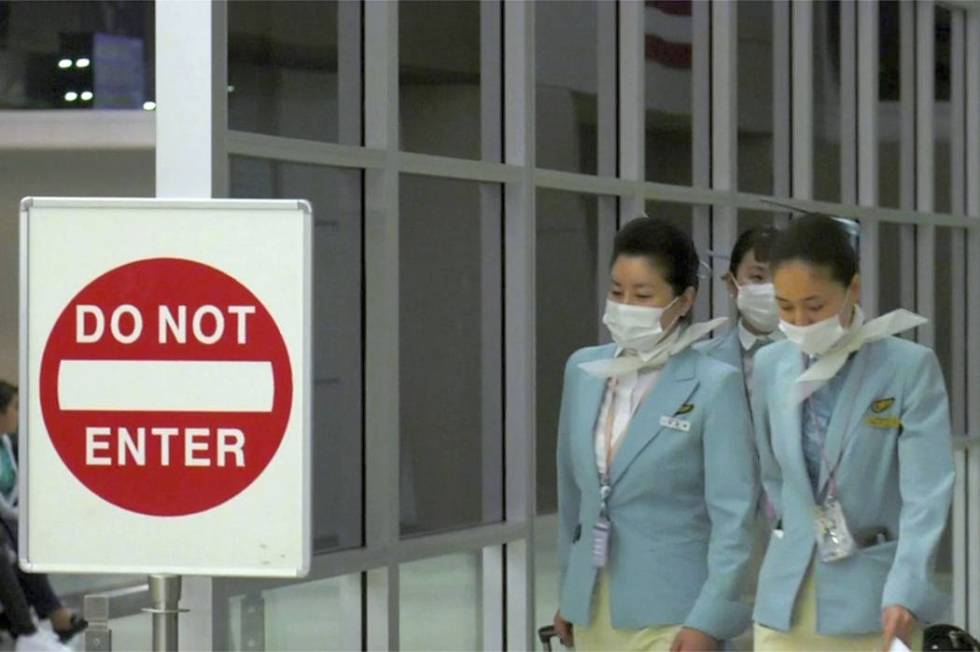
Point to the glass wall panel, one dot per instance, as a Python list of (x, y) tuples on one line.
[(943, 294), (441, 603), (826, 101), (668, 52), (76, 55), (545, 572), (567, 316), (450, 315), (942, 117), (439, 77), (891, 267), (890, 41), (567, 78), (755, 97), (320, 615), (943, 346), (680, 215), (337, 366), (287, 71)]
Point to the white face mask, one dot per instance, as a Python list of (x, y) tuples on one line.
[(757, 305), (634, 327), (815, 339)]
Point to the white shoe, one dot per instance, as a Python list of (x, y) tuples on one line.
[(40, 641)]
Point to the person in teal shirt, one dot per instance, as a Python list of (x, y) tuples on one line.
[(21, 591)]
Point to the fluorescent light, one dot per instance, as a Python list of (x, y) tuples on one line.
[(87, 96), (64, 63), (149, 105), (71, 96), (82, 63)]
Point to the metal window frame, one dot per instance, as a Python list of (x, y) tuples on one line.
[(972, 189)]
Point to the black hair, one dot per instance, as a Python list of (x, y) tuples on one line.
[(818, 240), (7, 394), (667, 248), (757, 240)]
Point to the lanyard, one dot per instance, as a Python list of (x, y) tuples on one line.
[(832, 470), (605, 489)]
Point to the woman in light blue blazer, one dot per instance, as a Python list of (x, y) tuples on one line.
[(749, 283), (657, 478), (852, 427)]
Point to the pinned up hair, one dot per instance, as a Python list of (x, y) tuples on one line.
[(818, 240), (757, 240), (668, 249)]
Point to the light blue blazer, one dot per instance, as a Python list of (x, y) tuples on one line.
[(682, 503), (727, 348), (892, 423)]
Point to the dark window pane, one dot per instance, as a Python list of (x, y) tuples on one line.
[(567, 316), (566, 38), (76, 55), (755, 97), (680, 215), (450, 383), (439, 77), (892, 266), (826, 101), (668, 53), (291, 71), (942, 122), (337, 365), (889, 104)]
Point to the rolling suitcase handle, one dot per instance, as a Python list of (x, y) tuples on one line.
[(545, 634)]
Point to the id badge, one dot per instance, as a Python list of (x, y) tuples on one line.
[(834, 540), (600, 542)]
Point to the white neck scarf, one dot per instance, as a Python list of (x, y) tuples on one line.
[(858, 334), (675, 342)]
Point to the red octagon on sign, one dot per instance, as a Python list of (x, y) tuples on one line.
[(165, 461)]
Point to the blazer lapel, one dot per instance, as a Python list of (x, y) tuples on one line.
[(675, 385), (591, 392), (787, 426), (855, 396)]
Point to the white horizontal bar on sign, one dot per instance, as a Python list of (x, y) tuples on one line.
[(165, 385)]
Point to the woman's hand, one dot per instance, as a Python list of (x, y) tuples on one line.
[(896, 620), (564, 629), (693, 640)]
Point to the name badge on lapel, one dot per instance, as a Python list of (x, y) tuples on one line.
[(883, 421), (675, 424)]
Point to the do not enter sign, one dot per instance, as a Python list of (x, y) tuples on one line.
[(166, 386), (169, 374)]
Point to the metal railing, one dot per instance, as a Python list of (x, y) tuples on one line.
[(99, 608)]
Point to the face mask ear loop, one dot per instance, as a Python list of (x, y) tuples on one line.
[(673, 324)]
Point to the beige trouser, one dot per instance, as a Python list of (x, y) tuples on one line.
[(803, 637), (600, 635)]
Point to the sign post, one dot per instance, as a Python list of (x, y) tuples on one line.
[(165, 385)]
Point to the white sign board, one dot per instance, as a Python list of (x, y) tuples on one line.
[(165, 386)]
